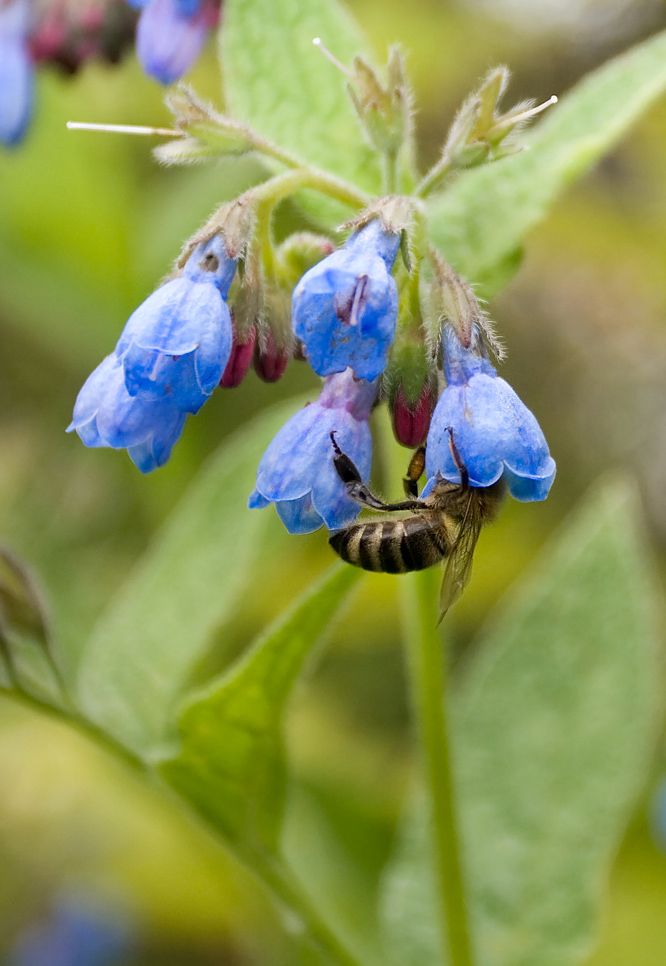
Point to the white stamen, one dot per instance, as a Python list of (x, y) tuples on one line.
[(124, 129), (359, 291), (534, 110), (334, 60), (513, 119)]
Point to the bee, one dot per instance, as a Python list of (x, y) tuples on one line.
[(445, 525)]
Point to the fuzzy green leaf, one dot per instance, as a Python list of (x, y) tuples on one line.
[(555, 725), (482, 219), (280, 84), (144, 646), (231, 764)]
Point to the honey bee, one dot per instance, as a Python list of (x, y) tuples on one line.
[(444, 525)]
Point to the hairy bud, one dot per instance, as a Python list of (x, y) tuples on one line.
[(270, 361)]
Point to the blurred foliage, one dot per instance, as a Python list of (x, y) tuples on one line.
[(88, 225)]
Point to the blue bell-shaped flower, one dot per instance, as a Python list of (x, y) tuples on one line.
[(106, 415), (169, 358), (344, 309), (495, 433), (297, 473), (177, 343)]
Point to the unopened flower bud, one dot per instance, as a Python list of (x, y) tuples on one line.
[(207, 132), (384, 112), (411, 421), (68, 34), (300, 252), (270, 361), (239, 360)]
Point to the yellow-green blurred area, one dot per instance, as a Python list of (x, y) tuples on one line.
[(88, 226)]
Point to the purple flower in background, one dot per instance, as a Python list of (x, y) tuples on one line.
[(16, 72), (170, 35), (495, 433), (297, 473), (74, 934), (344, 309)]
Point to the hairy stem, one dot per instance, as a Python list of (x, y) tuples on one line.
[(427, 672), (433, 179), (271, 150), (284, 185), (390, 165)]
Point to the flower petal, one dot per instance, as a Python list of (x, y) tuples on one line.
[(299, 516), (528, 489)]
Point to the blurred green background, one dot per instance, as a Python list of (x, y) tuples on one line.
[(88, 226)]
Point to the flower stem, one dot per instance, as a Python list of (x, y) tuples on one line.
[(276, 875), (270, 870), (427, 672), (76, 720), (390, 164), (283, 185), (433, 179)]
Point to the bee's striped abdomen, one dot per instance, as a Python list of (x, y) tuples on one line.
[(391, 546)]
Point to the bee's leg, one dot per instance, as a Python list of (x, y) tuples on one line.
[(414, 473), (357, 489), (457, 459)]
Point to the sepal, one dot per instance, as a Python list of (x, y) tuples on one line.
[(385, 113), (207, 133)]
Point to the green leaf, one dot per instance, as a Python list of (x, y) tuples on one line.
[(484, 216), (555, 725), (231, 763), (280, 84), (144, 646)]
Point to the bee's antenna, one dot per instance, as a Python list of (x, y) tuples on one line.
[(457, 459)]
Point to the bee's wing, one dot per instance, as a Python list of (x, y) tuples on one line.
[(458, 566)]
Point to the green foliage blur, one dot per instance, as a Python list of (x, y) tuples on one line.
[(88, 226)]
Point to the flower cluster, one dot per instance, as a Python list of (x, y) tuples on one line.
[(182, 342), (67, 33), (170, 356)]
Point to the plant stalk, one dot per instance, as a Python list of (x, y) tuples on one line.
[(283, 185), (276, 875), (433, 179), (428, 677), (270, 870)]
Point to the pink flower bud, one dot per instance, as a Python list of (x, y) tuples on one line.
[(239, 360), (269, 361), (49, 36), (411, 422)]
